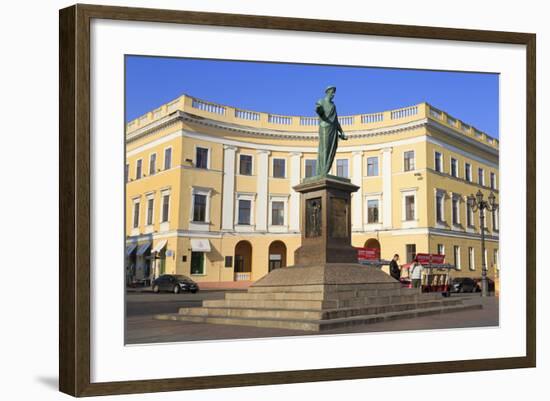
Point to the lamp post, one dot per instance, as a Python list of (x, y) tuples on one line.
[(477, 203)]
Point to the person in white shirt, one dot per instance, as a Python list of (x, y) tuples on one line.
[(416, 273)]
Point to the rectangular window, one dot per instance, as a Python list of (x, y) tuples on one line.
[(372, 166), (153, 164), (245, 165), (342, 168), (471, 259), (495, 257), (468, 172), (480, 176), (199, 207), (494, 214), (454, 167), (438, 163), (197, 262), (244, 211), (138, 169), (311, 167), (439, 205), (126, 172), (411, 252), (201, 158), (372, 211), (150, 208), (167, 158), (440, 249), (165, 207), (469, 215), (493, 181), (456, 215), (279, 167), (277, 213), (456, 254), (409, 207), (136, 215), (228, 261), (408, 161)]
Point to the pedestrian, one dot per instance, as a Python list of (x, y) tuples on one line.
[(416, 273), (395, 272)]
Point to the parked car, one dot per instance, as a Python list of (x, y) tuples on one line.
[(175, 283), (463, 284), (490, 285)]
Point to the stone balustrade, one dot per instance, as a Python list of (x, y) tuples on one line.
[(306, 124)]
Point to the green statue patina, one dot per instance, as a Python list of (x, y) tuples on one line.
[(329, 132)]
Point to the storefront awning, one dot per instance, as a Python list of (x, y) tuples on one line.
[(143, 248), (159, 246), (130, 249), (200, 245)]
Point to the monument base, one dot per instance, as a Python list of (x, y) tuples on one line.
[(318, 298)]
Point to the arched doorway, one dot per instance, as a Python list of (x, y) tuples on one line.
[(243, 261), (277, 255), (372, 243)]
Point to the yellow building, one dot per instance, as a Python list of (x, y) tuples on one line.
[(209, 188)]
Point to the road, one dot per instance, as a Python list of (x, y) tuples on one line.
[(148, 303)]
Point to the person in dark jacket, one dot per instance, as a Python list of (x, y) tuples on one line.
[(394, 267)]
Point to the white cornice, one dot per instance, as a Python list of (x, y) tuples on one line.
[(258, 132), (461, 137)]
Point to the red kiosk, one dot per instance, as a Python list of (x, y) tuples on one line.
[(436, 276)]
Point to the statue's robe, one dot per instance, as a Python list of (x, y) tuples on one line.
[(329, 127)]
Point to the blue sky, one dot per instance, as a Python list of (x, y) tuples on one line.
[(292, 89)]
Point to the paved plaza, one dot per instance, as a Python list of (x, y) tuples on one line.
[(141, 328)]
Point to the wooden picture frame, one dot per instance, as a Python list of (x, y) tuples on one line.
[(75, 207)]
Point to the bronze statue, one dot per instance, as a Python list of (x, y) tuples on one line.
[(329, 131)]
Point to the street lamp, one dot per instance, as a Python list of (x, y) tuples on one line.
[(477, 203)]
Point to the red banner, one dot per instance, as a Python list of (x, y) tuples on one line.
[(368, 253), (430, 258)]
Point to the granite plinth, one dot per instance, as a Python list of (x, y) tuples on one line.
[(326, 221)]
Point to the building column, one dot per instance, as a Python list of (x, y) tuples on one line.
[(262, 173), (228, 198), (357, 197), (294, 201), (386, 188)]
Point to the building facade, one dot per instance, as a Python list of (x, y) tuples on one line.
[(209, 188)]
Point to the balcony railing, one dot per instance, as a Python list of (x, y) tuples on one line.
[(242, 276)]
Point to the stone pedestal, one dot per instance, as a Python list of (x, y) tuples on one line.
[(326, 221)]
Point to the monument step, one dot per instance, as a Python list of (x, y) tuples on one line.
[(301, 301), (327, 288), (275, 296), (254, 313), (229, 309), (407, 314), (271, 304), (355, 297), (302, 325), (316, 325), (381, 309)]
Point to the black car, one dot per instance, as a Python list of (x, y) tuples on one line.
[(490, 285), (463, 284), (175, 283)]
